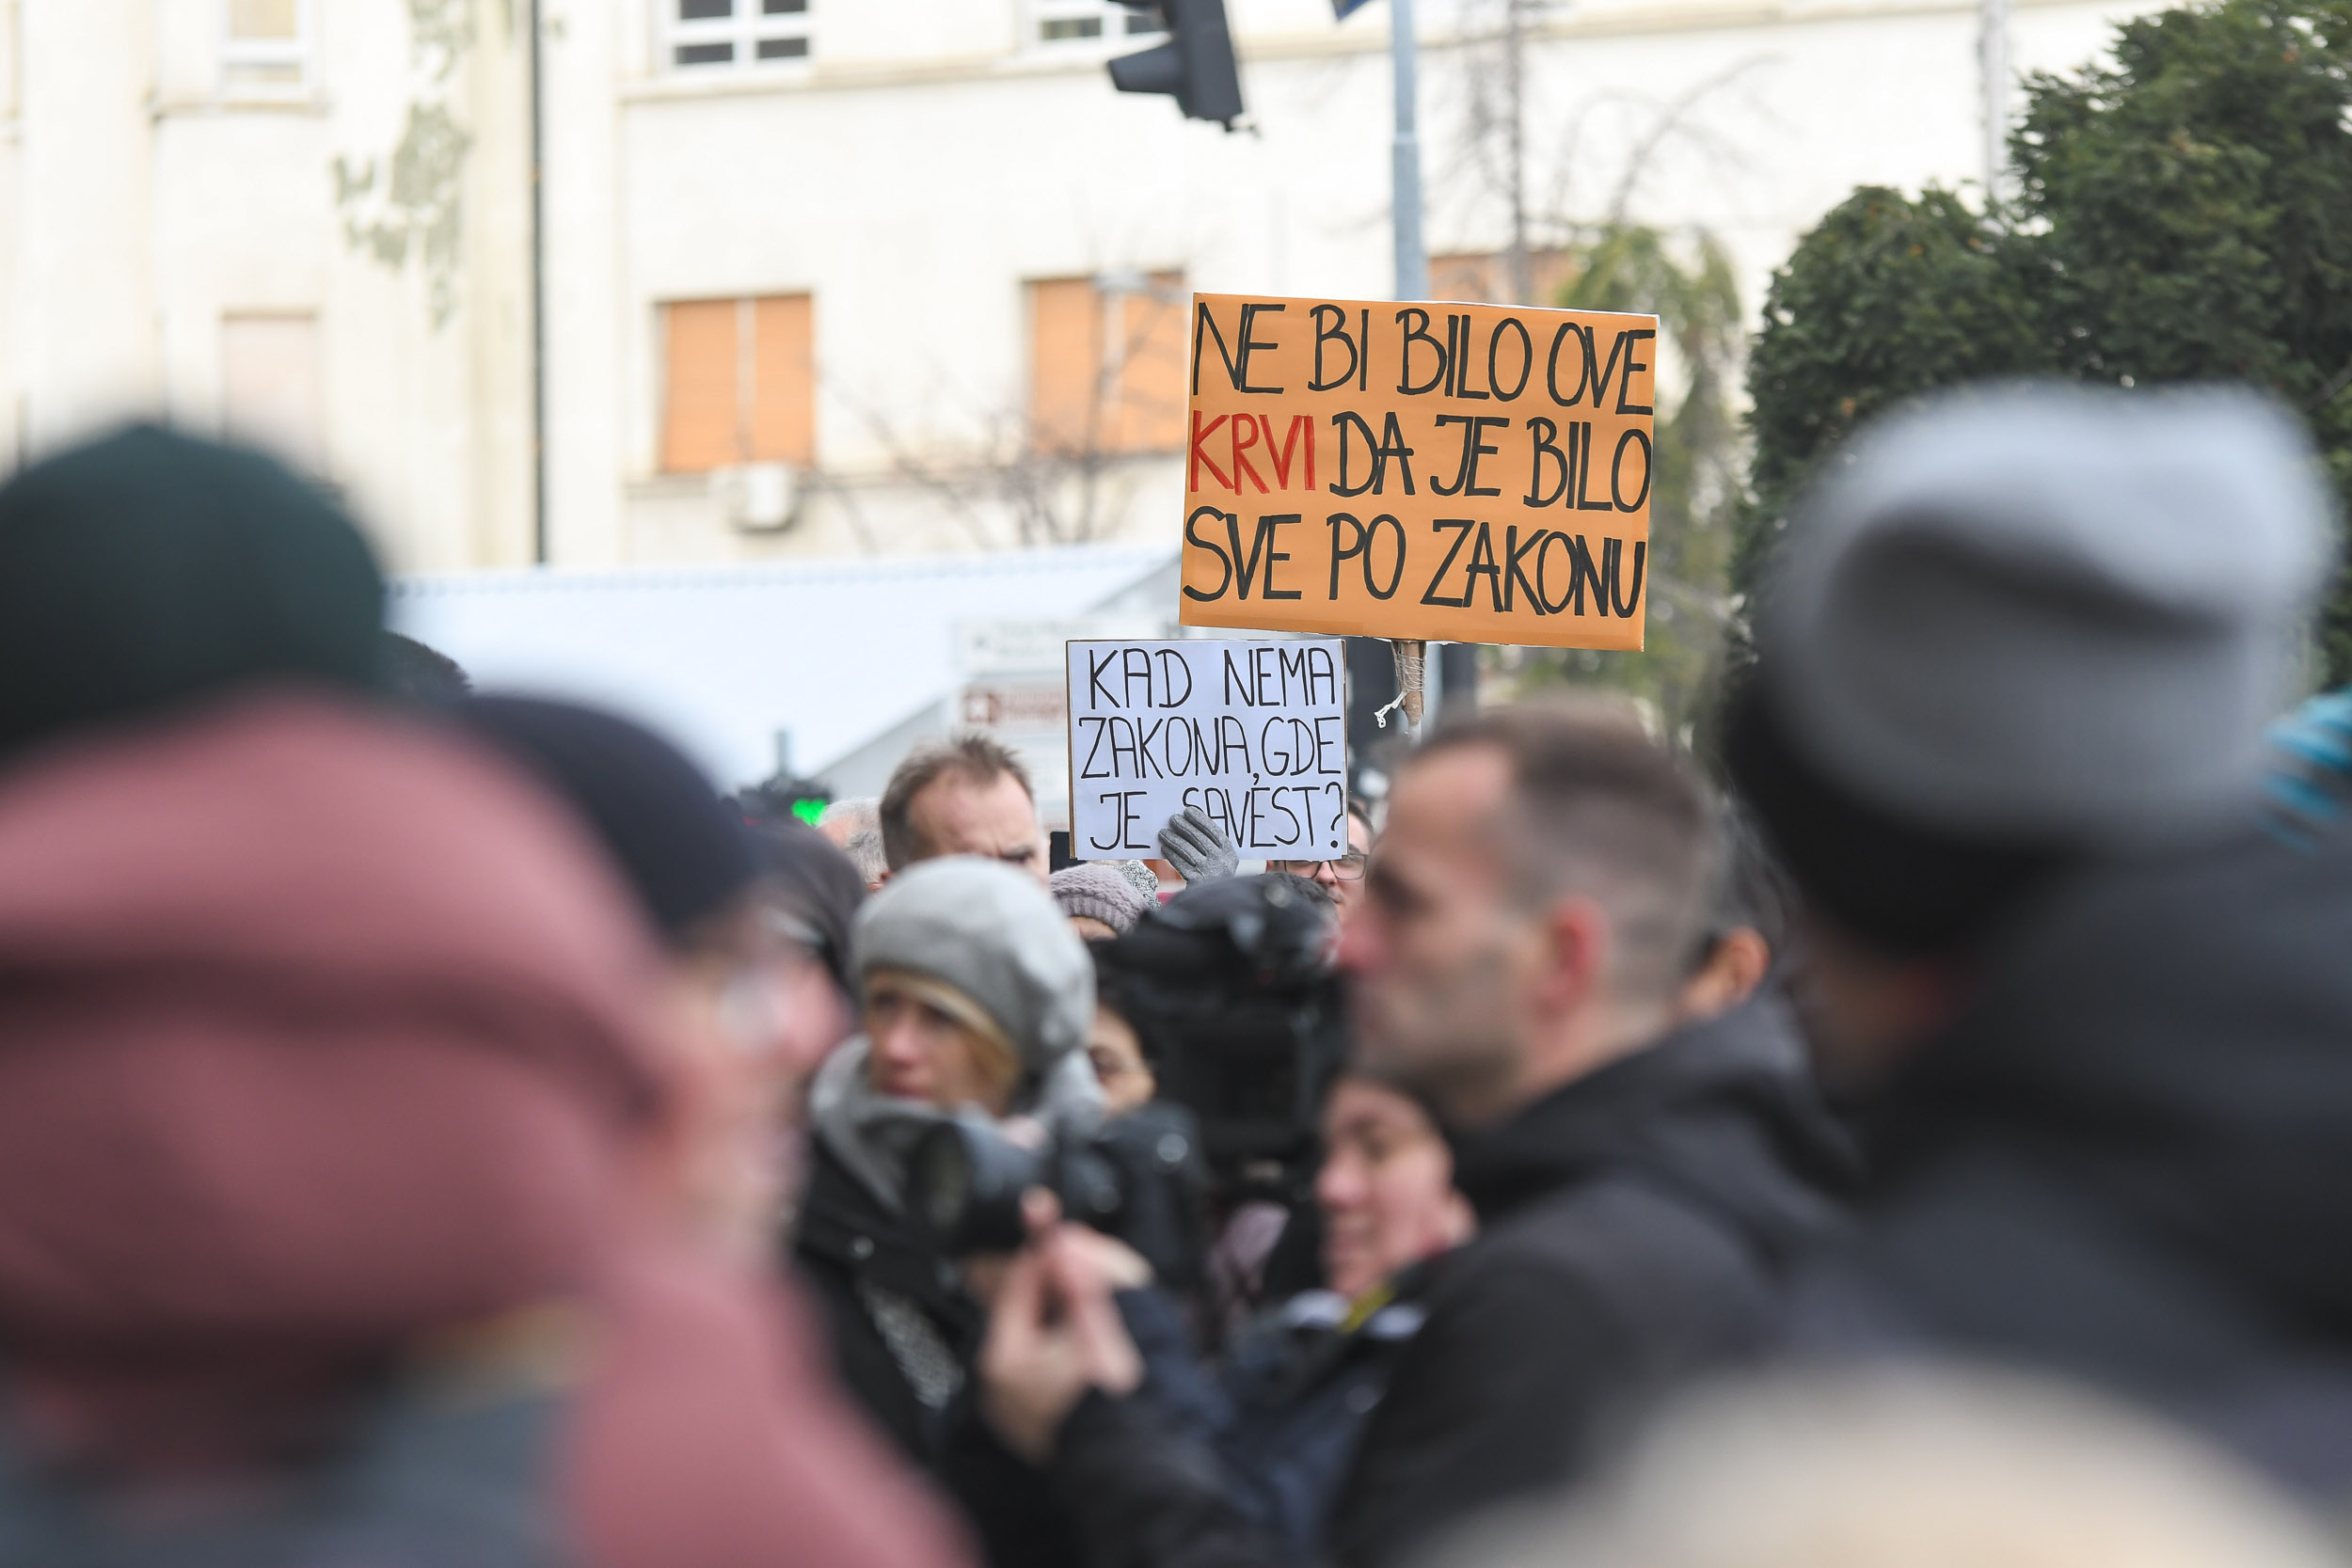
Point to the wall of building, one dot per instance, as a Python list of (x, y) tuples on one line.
[(931, 156), (172, 241)]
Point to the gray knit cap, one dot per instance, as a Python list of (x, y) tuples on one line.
[(992, 934), (1099, 892), (2047, 613)]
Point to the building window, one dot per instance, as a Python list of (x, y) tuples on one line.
[(1069, 21), (1106, 363), (271, 390), (265, 48), (717, 34), (740, 382)]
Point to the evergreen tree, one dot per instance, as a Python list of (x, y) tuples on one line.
[(2181, 214)]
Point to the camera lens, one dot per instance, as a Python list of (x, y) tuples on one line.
[(1089, 1189), (939, 1182), (964, 1183)]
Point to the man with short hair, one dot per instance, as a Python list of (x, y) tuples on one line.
[(1640, 1175), (965, 796), (843, 820)]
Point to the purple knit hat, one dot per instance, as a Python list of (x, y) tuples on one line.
[(1098, 893)]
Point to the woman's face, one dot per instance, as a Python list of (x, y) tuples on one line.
[(919, 1052), (1118, 1064), (1386, 1188)]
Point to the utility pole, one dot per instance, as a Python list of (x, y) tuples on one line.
[(1992, 61), (1412, 262), (1515, 64), (1412, 277), (539, 541)]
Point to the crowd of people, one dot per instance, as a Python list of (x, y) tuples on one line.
[(438, 1127)]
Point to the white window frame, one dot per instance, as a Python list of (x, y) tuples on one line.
[(296, 52), (746, 28), (1110, 38)]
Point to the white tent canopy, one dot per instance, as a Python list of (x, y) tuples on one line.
[(832, 654)]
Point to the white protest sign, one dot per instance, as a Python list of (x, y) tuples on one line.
[(1255, 734)]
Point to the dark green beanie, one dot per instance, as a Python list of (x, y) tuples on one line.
[(148, 570)]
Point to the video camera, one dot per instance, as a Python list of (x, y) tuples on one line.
[(1231, 987), (1139, 1178)]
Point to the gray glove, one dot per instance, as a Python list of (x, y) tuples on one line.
[(1198, 848)]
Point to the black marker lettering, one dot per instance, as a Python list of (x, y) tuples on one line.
[(1430, 595)]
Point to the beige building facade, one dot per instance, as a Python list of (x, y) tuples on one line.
[(816, 278)]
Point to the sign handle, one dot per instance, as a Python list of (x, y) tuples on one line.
[(1412, 655)]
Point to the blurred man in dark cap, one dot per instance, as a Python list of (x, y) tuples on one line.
[(736, 971), (2007, 728)]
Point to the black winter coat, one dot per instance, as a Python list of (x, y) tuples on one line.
[(845, 1246), (2130, 1160), (1284, 1413), (1635, 1229)]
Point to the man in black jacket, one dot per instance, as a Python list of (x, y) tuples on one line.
[(2097, 1026), (1642, 1178)]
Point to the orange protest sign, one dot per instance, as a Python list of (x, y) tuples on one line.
[(1459, 473)]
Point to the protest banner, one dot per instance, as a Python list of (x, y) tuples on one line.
[(1461, 473), (1255, 734)]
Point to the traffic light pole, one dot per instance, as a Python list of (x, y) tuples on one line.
[(1412, 262), (1412, 275)]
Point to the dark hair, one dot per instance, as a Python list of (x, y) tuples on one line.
[(1113, 992), (1600, 809), (679, 848), (1903, 889), (972, 757), (1315, 893), (424, 676), (1748, 887), (1362, 812), (805, 877)]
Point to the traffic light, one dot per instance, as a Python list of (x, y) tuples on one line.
[(1194, 66)]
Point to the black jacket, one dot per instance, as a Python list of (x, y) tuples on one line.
[(1635, 1228), (846, 1247), (2130, 1160), (1281, 1415)]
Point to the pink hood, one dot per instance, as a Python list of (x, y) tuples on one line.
[(315, 1029)]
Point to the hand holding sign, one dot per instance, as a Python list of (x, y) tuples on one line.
[(1198, 848), (1464, 473)]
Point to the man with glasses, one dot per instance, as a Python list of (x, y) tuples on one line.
[(1343, 878)]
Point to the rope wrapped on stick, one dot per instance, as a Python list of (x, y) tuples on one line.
[(1412, 659)]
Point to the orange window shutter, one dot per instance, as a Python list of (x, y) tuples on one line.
[(1152, 383), (783, 380), (1462, 277), (700, 424), (1066, 365), (1548, 273)]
